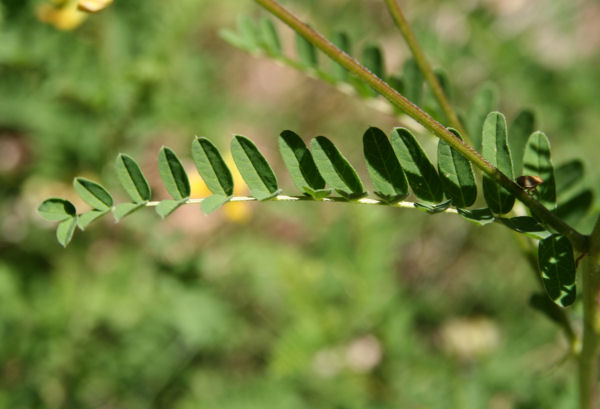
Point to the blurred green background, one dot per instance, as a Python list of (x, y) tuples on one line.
[(270, 305)]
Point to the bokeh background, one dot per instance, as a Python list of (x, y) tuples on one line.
[(269, 305)]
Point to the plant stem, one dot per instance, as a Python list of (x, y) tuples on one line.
[(425, 67), (578, 240), (590, 352)]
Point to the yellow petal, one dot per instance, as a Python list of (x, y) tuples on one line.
[(64, 18)]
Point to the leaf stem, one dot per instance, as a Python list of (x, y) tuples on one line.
[(425, 67), (590, 351), (578, 240)]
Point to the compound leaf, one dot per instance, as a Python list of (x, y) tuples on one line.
[(132, 179), (173, 174), (212, 167), (93, 193), (536, 162), (456, 175), (383, 166), (300, 163), (420, 172), (57, 209), (495, 150), (335, 168), (254, 168), (555, 258)]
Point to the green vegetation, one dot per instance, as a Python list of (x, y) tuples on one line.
[(299, 304)]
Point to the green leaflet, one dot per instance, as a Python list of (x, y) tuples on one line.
[(536, 162), (433, 208), (254, 168), (372, 58), (57, 209), (269, 37), (83, 220), (383, 166), (342, 41), (456, 175), (575, 208), (173, 174), (495, 150), (421, 174), (166, 207), (520, 129), (212, 203), (212, 167), (483, 103), (65, 230), (93, 194), (335, 168), (132, 179), (307, 53), (569, 176), (125, 209), (413, 82), (248, 33), (555, 258), (300, 163), (480, 217), (527, 225)]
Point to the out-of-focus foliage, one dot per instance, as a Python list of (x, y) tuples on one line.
[(355, 308)]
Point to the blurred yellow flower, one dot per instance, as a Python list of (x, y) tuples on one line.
[(238, 212), (62, 15), (93, 6)]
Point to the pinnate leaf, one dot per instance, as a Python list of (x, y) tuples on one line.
[(383, 166), (496, 151), (57, 209), (254, 168), (420, 172), (173, 174), (555, 258), (93, 193), (456, 175), (132, 179), (335, 168)]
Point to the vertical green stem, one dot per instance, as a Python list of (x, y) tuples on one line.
[(578, 240), (589, 358), (425, 67)]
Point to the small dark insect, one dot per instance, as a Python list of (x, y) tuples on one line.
[(529, 183)]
